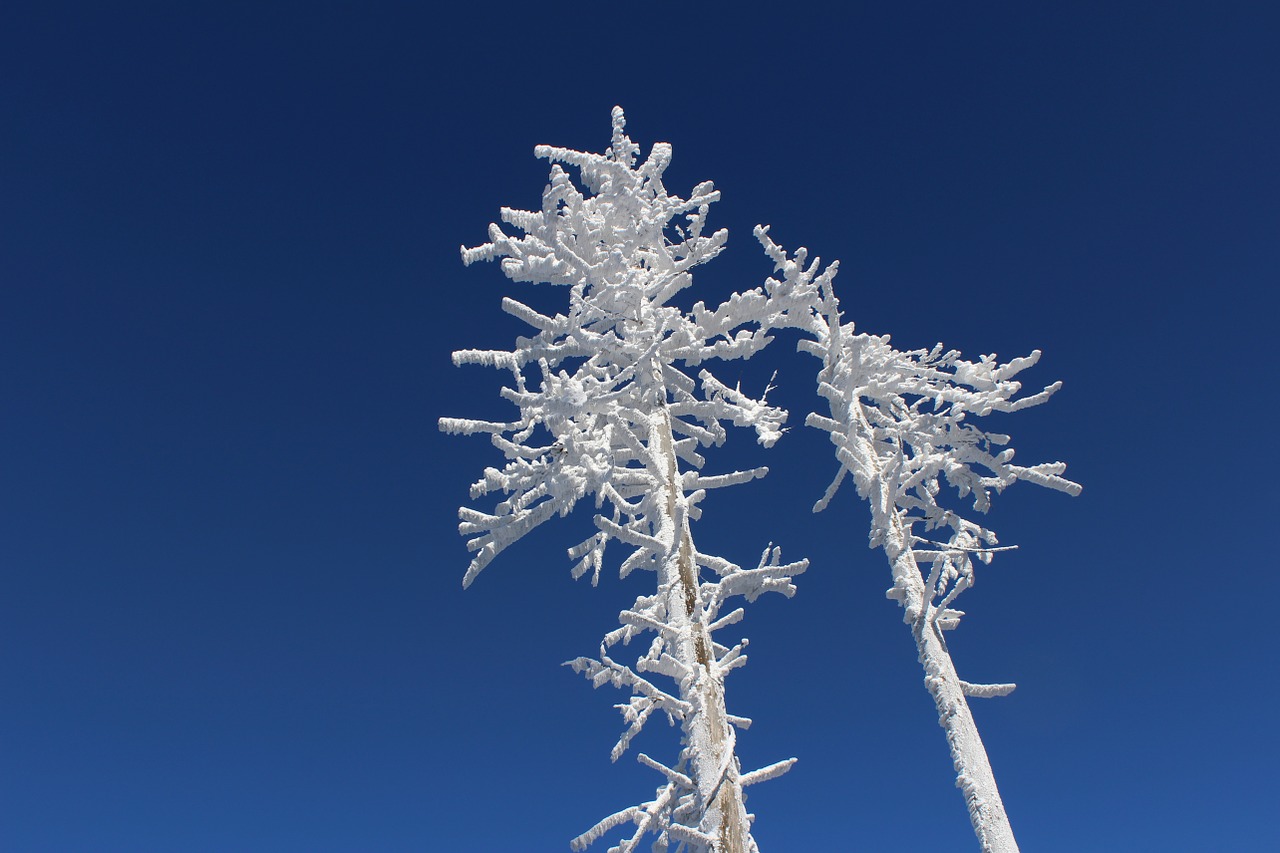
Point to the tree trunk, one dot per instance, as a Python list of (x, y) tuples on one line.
[(973, 771), (974, 776), (714, 766)]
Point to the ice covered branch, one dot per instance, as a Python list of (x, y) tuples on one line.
[(614, 397), (901, 423)]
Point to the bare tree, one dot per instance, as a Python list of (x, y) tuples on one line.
[(901, 426), (614, 403)]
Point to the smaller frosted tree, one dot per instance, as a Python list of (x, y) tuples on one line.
[(901, 426), (614, 403)]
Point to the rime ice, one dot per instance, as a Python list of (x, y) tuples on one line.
[(901, 426), (614, 402)]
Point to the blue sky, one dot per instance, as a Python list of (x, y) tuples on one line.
[(230, 605)]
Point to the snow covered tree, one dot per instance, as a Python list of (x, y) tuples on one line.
[(900, 423), (609, 408)]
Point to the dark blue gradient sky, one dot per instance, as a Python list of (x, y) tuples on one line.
[(230, 604)]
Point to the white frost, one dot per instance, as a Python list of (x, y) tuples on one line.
[(902, 426), (614, 399)]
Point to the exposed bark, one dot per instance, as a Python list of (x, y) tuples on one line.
[(714, 768)]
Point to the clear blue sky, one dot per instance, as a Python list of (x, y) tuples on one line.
[(230, 605)]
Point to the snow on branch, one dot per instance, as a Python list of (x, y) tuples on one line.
[(764, 774), (902, 425), (651, 614), (587, 379), (986, 691), (615, 395)]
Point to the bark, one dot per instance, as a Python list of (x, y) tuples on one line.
[(714, 768)]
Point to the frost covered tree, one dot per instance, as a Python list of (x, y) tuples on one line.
[(901, 423), (613, 402)]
